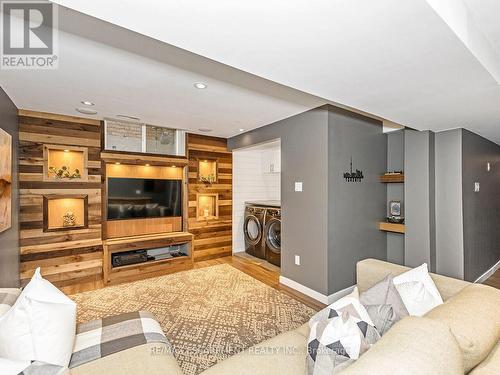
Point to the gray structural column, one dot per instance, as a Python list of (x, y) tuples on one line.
[(420, 236)]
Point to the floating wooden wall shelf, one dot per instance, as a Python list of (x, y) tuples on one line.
[(392, 178), (392, 227)]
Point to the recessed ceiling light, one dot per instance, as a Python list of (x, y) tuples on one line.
[(146, 165), (200, 85), (86, 102), (117, 163), (242, 130), (66, 150), (174, 166), (205, 130), (86, 111)]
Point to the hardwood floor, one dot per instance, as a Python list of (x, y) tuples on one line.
[(263, 274), (494, 280)]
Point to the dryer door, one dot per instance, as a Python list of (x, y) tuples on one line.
[(252, 229), (273, 235)]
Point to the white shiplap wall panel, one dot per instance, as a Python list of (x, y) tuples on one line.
[(249, 183)]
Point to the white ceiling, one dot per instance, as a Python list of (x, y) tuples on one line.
[(125, 73), (411, 62)]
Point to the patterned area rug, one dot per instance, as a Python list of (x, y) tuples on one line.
[(208, 314)]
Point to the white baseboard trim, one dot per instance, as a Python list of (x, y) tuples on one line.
[(488, 273), (341, 293), (238, 251), (313, 294)]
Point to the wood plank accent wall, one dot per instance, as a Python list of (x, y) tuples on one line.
[(70, 258), (212, 238)]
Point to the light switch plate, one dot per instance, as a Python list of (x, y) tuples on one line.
[(488, 167), (298, 186), (476, 187), (297, 260)]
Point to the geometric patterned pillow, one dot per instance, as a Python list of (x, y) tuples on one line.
[(335, 342), (349, 303)]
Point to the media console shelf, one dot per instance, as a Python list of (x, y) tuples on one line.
[(150, 268)]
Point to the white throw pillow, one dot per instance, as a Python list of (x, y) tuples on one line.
[(417, 290), (12, 366), (41, 325)]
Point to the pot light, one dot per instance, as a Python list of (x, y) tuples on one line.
[(242, 130), (146, 165), (86, 102), (117, 163), (174, 166), (66, 150), (205, 130), (200, 85)]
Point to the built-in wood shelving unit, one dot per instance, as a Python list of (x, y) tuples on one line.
[(392, 227), (210, 203), (119, 157), (60, 219), (152, 268), (392, 178)]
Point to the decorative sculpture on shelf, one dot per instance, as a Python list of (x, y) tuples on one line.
[(64, 172), (69, 219), (353, 176), (206, 212), (209, 179)]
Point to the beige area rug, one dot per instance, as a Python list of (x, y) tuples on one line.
[(208, 314)]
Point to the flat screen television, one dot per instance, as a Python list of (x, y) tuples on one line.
[(140, 198)]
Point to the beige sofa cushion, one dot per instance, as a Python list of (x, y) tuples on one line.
[(491, 365), (413, 346), (304, 330), (473, 316), (151, 359), (282, 355), (370, 271)]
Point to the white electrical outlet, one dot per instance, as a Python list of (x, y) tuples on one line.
[(298, 186), (297, 260), (488, 166), (476, 187)]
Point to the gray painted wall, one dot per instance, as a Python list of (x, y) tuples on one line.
[(449, 223), (304, 157), (331, 224), (419, 193), (395, 191), (481, 211), (9, 239), (354, 208)]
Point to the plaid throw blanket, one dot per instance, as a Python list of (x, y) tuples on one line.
[(8, 297), (99, 338)]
